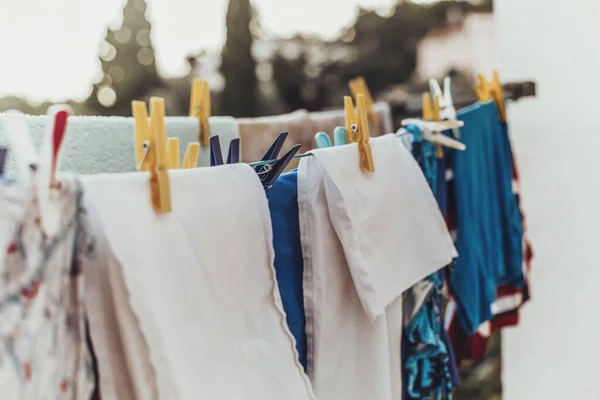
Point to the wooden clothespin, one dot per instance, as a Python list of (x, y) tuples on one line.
[(358, 86), (190, 160), (358, 124), (142, 135), (492, 91), (156, 160), (173, 153), (200, 108), (432, 112)]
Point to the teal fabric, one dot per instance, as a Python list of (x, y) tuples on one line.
[(489, 231)]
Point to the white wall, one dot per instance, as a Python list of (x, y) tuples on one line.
[(555, 352)]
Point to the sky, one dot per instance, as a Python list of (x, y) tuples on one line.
[(49, 47)]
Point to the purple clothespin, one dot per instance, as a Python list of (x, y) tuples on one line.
[(233, 155), (272, 171), (216, 157)]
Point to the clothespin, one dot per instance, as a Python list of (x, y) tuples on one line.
[(3, 151), (322, 140), (216, 157), (358, 86), (359, 124), (339, 136), (157, 157), (269, 175), (173, 153), (273, 152), (431, 112), (141, 135), (448, 112), (200, 108), (351, 120), (190, 160), (233, 155), (492, 91), (432, 131)]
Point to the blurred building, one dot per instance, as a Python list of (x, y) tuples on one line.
[(464, 44)]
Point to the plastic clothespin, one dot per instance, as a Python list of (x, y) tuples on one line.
[(173, 153), (200, 108), (190, 160), (448, 112), (157, 157), (273, 152), (233, 155), (216, 156), (322, 140), (432, 131), (269, 175), (3, 151), (358, 86), (339, 136)]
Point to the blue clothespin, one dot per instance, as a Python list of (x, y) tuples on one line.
[(339, 136), (3, 151), (233, 155), (273, 152), (216, 157), (269, 175), (322, 140)]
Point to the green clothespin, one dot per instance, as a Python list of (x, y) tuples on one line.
[(322, 140), (339, 136)]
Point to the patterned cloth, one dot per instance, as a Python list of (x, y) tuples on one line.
[(426, 358), (43, 349)]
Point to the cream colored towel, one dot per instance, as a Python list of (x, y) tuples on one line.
[(366, 237), (201, 283), (96, 145)]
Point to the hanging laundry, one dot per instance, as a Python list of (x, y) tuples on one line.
[(428, 363), (353, 274), (106, 144), (283, 206), (203, 290), (484, 213), (43, 349)]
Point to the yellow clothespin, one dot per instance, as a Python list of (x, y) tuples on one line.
[(142, 135), (492, 90), (351, 121), (358, 124), (432, 112), (173, 153), (159, 177), (358, 86), (190, 160), (200, 108)]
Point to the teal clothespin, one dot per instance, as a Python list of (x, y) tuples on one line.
[(322, 140), (339, 136)]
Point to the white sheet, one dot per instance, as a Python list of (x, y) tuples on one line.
[(366, 237), (201, 283)]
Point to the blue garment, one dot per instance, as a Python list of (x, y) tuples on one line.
[(289, 267), (428, 365), (489, 230)]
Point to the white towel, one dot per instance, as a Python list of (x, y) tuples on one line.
[(95, 145), (366, 237), (201, 283)]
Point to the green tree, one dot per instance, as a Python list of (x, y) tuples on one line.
[(239, 97), (128, 64)]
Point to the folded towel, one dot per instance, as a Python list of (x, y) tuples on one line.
[(366, 237), (202, 288), (95, 145)]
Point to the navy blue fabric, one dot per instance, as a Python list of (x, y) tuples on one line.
[(283, 206), (489, 230)]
